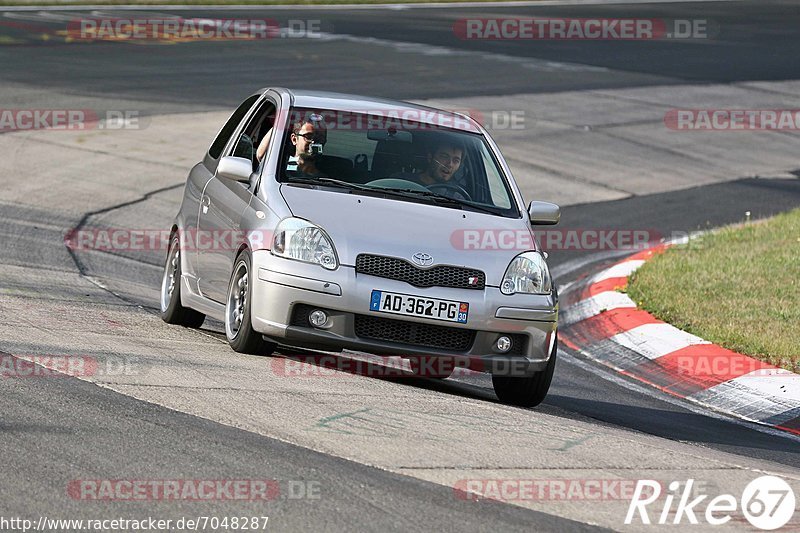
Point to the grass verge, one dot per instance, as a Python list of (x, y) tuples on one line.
[(254, 3), (738, 288)]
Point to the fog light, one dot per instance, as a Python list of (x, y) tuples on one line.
[(503, 344), (318, 318)]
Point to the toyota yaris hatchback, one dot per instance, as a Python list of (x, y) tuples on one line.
[(330, 221)]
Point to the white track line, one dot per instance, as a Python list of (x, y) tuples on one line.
[(593, 306), (655, 340), (620, 270)]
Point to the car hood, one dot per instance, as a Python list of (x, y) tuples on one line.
[(386, 226)]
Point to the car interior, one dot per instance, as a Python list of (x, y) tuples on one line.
[(382, 158)]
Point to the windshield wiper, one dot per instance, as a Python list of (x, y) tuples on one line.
[(324, 180), (396, 191), (439, 198)]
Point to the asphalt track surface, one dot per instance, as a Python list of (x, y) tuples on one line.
[(752, 41), (45, 443)]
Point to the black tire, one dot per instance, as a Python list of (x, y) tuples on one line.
[(172, 312), (432, 367), (527, 391), (238, 326)]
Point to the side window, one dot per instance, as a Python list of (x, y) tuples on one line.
[(227, 130), (254, 138)]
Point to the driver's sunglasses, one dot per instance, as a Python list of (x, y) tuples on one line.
[(311, 136)]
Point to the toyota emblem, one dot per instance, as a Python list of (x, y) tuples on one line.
[(422, 259)]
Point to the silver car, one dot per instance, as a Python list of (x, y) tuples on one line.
[(336, 222)]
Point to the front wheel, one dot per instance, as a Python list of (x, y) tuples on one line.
[(172, 311), (526, 391), (238, 326)]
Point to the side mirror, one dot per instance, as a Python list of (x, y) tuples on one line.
[(544, 213), (235, 168)]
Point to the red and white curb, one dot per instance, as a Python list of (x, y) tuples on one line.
[(605, 325)]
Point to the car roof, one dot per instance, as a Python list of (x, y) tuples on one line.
[(382, 106)]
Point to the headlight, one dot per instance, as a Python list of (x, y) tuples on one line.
[(299, 239), (527, 273)]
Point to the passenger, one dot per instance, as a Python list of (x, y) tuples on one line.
[(262, 146), (309, 135)]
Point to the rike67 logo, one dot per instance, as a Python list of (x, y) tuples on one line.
[(767, 502)]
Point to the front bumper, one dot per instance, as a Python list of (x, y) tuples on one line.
[(283, 289)]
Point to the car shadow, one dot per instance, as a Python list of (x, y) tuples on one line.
[(672, 422), (681, 425)]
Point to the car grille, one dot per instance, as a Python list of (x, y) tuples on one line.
[(414, 333), (437, 276)]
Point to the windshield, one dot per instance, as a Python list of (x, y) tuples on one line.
[(411, 160)]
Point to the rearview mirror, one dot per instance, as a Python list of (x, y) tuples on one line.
[(235, 168), (544, 213), (389, 135)]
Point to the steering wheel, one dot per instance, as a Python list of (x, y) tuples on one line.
[(450, 187)]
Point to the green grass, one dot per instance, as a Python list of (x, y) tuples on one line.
[(44, 3), (738, 287)]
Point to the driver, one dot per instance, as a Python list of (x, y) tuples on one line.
[(444, 160)]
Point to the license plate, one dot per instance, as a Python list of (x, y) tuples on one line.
[(406, 304)]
